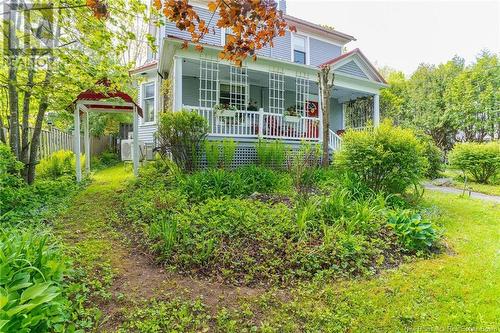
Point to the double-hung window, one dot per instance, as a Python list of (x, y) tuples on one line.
[(299, 49), (148, 102)]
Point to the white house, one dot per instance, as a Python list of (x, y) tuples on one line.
[(276, 97)]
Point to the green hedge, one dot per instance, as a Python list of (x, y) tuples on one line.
[(388, 160), (481, 160)]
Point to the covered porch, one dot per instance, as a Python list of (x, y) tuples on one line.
[(263, 101)]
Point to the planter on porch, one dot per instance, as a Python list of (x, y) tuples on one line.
[(292, 119)]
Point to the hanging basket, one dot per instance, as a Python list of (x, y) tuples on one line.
[(225, 113), (292, 119)]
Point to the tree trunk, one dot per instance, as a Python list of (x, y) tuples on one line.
[(35, 141), (13, 107), (325, 92), (25, 142)]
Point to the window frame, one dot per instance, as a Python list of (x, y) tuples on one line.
[(228, 84), (305, 52), (143, 101)]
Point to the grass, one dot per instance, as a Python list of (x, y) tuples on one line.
[(457, 290), (92, 242), (458, 182)]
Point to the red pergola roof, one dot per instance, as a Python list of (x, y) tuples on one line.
[(93, 95)]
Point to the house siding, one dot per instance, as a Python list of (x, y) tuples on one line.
[(212, 38), (282, 47), (352, 68), (322, 51), (335, 115)]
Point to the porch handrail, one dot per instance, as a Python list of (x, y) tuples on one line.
[(334, 140), (259, 124)]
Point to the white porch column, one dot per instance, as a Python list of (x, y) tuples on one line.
[(177, 84), (76, 137), (320, 115), (135, 143), (376, 110), (86, 141)]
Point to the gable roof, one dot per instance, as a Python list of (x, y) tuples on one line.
[(318, 28), (355, 54)]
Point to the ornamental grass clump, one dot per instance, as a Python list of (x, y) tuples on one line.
[(480, 160), (390, 159)]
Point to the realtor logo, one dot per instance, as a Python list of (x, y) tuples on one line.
[(29, 28)]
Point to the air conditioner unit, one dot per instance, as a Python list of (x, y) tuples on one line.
[(126, 149)]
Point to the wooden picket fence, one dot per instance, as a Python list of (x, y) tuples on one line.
[(53, 140)]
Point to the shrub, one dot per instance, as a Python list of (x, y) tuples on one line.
[(11, 183), (302, 165), (271, 154), (31, 283), (58, 164), (182, 134), (10, 168), (481, 160), (389, 159), (433, 155), (413, 232), (228, 151), (213, 153), (105, 159), (242, 182)]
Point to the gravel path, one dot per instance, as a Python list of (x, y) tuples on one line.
[(474, 195)]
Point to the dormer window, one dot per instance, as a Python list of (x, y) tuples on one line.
[(299, 49)]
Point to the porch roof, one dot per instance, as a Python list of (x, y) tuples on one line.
[(114, 100), (356, 54)]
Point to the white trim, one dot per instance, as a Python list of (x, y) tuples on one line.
[(376, 110), (177, 105), (343, 115), (307, 50), (155, 94), (363, 65), (76, 136), (322, 39), (121, 103)]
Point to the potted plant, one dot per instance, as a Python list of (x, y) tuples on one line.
[(291, 115), (225, 110)]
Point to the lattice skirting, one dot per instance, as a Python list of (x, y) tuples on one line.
[(246, 154)]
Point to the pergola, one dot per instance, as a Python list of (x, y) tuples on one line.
[(95, 101)]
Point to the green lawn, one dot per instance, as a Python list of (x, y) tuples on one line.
[(458, 289), (456, 176)]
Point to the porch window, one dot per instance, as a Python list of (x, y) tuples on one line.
[(209, 83), (299, 49), (276, 92), (148, 102), (235, 96)]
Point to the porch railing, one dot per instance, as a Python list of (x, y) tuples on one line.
[(259, 124), (334, 141)]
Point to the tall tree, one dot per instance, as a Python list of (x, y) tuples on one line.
[(85, 48), (474, 97), (325, 90)]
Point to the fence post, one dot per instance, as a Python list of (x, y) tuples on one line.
[(261, 123)]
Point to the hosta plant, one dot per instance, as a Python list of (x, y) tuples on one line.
[(414, 233), (31, 278)]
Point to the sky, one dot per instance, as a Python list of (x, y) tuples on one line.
[(403, 34)]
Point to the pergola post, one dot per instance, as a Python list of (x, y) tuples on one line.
[(376, 110), (86, 142), (135, 143), (76, 134)]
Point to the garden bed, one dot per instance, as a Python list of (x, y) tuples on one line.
[(250, 226)]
